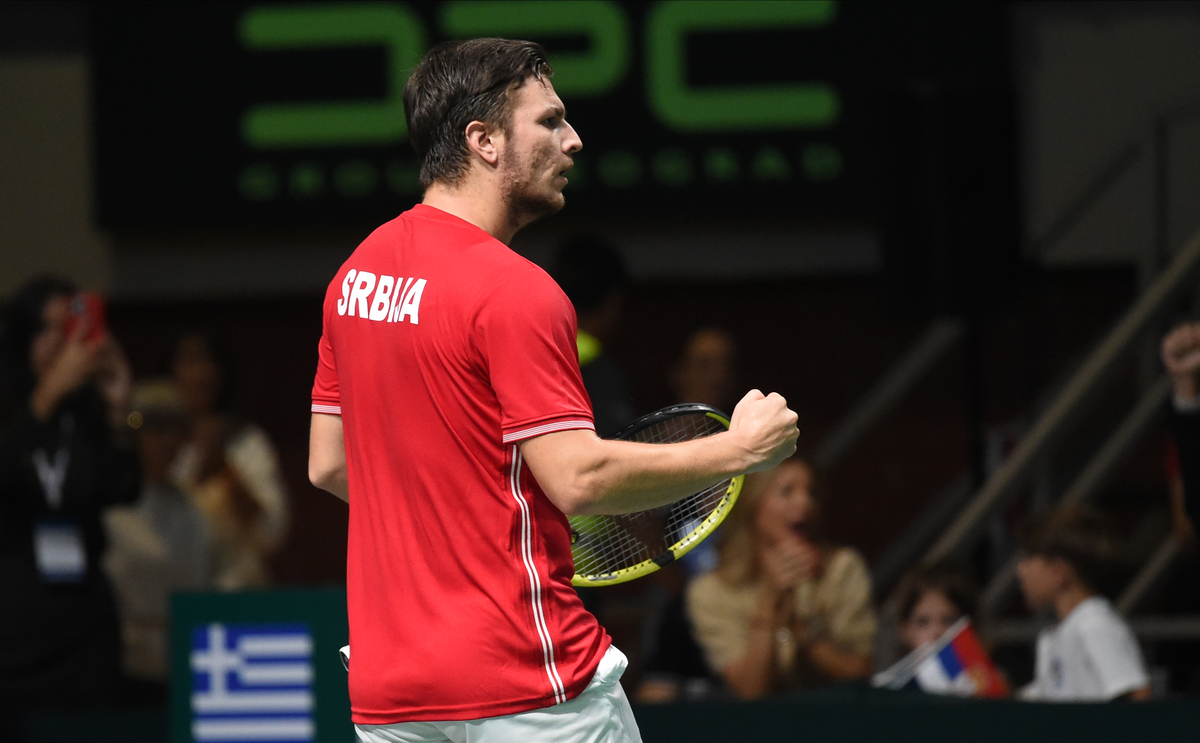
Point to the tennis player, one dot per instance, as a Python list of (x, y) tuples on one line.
[(449, 411)]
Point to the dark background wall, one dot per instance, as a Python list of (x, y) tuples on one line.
[(824, 299)]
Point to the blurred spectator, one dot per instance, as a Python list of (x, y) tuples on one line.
[(1181, 524), (930, 600), (706, 371), (1181, 356), (159, 545), (1090, 654), (593, 276), (785, 609), (228, 467), (63, 459)]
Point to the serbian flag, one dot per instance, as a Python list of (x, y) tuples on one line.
[(956, 664)]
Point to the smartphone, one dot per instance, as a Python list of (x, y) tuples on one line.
[(87, 306)]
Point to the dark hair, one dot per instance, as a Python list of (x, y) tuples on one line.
[(22, 322), (589, 270), (951, 580), (1080, 536), (218, 351), (458, 82)]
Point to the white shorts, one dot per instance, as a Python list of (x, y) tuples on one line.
[(600, 714)]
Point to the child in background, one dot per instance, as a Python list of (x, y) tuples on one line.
[(1090, 655), (934, 607), (930, 600)]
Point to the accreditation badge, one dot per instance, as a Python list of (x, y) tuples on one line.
[(58, 547)]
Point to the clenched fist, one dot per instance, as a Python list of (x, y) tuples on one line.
[(767, 429)]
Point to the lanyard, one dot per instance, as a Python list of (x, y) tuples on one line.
[(53, 474)]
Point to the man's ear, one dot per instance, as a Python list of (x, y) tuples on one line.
[(484, 141)]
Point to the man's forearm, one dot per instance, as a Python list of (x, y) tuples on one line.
[(582, 473), (642, 476), (613, 477)]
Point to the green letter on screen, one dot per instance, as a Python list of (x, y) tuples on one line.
[(746, 108), (274, 27), (594, 72)]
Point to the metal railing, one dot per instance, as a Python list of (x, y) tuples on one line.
[(1145, 414), (943, 333), (1148, 629), (1088, 198), (1052, 425)]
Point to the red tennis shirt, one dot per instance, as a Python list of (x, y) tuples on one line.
[(443, 350)]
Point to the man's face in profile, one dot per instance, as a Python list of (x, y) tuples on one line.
[(538, 145)]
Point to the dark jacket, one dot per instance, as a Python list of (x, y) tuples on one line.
[(1187, 439), (62, 642)]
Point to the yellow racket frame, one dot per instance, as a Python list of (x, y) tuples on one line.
[(677, 550)]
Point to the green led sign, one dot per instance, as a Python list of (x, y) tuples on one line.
[(274, 27), (289, 113), (740, 108), (594, 72), (590, 73)]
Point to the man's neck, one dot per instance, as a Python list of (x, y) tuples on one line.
[(472, 202), (1071, 597)]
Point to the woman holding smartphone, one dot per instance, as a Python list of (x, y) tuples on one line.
[(64, 457)]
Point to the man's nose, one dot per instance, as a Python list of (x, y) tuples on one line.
[(572, 143)]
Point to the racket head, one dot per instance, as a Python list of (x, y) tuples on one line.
[(614, 549)]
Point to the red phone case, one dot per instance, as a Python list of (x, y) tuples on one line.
[(88, 305)]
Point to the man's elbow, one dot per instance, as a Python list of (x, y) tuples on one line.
[(573, 501), (572, 469), (582, 495), (324, 475)]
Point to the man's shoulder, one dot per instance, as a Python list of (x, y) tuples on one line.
[(1094, 620), (425, 227), (466, 261), (843, 559), (844, 566), (509, 279), (1096, 614)]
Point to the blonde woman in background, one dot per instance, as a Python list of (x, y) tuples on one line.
[(785, 609)]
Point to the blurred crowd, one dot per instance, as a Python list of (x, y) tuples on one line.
[(119, 492), (771, 605)]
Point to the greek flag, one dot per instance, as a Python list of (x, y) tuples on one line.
[(252, 682)]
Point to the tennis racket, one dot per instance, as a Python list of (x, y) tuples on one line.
[(614, 549)]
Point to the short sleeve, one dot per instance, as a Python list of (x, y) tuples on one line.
[(325, 395), (1115, 656), (852, 622), (1038, 690), (721, 633), (525, 328)]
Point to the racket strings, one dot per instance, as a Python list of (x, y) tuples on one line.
[(607, 544)]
